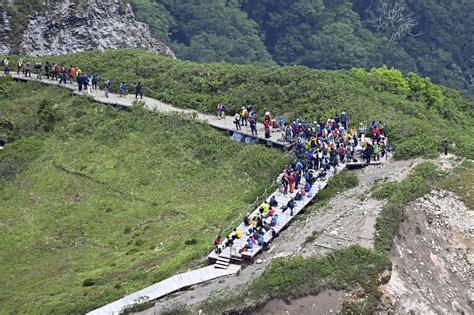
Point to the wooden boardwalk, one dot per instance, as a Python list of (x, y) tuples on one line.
[(226, 123), (166, 287), (234, 253)]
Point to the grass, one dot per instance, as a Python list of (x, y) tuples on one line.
[(98, 202), (418, 116), (461, 181)]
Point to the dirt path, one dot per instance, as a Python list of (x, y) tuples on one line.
[(348, 219), (327, 302)]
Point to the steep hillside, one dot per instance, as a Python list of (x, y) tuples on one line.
[(97, 202), (58, 27), (429, 37), (418, 114)]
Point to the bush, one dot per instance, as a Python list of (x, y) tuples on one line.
[(412, 107), (88, 282)]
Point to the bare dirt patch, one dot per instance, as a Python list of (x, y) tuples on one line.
[(327, 302)]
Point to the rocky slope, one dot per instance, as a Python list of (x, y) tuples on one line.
[(73, 26), (433, 258)]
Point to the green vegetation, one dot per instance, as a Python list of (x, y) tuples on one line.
[(461, 181), (420, 181), (98, 202), (213, 31), (295, 276), (425, 36), (418, 114)]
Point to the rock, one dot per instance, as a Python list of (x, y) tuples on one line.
[(259, 261), (100, 24)]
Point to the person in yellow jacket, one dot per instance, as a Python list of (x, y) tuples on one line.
[(6, 69), (244, 115), (19, 66), (237, 233)]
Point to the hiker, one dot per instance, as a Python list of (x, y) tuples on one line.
[(72, 73), (139, 90), (55, 74), (79, 82), (289, 205), (368, 153), (107, 85), (288, 133), (307, 186), (123, 89), (344, 119), (253, 125), (342, 152), (63, 74), (94, 81), (266, 206), (266, 126), (376, 151), (38, 69), (219, 109), (88, 84), (249, 245), (270, 213), (286, 184), (19, 66), (237, 233), (273, 202), (246, 220), (47, 70), (445, 145), (229, 241), (6, 69), (217, 241), (291, 181), (244, 115), (237, 121), (27, 69), (274, 220)]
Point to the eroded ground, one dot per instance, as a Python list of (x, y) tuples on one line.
[(433, 258)]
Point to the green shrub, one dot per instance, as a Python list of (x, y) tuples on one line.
[(418, 114)]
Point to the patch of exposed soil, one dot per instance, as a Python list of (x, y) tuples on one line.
[(433, 258), (327, 302)]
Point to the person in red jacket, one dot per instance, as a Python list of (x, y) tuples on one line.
[(291, 180), (266, 126)]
